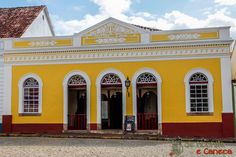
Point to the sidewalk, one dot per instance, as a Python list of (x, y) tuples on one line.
[(128, 136)]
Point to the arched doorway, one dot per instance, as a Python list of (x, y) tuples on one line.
[(146, 93), (111, 102), (77, 103)]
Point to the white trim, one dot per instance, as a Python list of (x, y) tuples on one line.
[(65, 95), (210, 88), (226, 85), (108, 60), (169, 46), (98, 84), (134, 86), (7, 89), (21, 91)]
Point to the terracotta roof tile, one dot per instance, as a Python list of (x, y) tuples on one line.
[(15, 21)]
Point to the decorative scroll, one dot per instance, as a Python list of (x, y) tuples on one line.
[(185, 36), (42, 43), (111, 33)]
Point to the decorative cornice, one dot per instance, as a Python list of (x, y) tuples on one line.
[(121, 54), (147, 47)]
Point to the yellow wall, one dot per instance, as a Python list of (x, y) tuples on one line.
[(173, 88)]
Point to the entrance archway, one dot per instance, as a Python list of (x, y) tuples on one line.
[(147, 102), (77, 103), (111, 102), (76, 87)]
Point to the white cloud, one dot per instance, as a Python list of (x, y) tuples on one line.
[(69, 27), (225, 2), (113, 7), (171, 20)]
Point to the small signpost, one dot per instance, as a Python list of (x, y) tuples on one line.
[(129, 123)]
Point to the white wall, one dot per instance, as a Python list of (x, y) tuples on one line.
[(39, 28), (1, 86)]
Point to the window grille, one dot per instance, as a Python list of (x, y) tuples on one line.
[(146, 78), (198, 84), (76, 80), (111, 79), (31, 96)]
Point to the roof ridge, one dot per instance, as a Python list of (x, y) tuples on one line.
[(32, 6)]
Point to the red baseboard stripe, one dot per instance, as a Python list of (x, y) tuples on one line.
[(227, 125), (37, 128), (210, 130), (93, 126)]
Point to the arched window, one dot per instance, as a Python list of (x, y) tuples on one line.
[(76, 81), (146, 78), (198, 84), (111, 79), (199, 91), (31, 96)]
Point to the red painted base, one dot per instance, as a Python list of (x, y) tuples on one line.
[(209, 130), (93, 126), (7, 123), (37, 128), (227, 125)]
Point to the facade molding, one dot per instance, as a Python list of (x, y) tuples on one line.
[(101, 48), (21, 91), (108, 60), (65, 95), (159, 89), (112, 55), (209, 90), (98, 85)]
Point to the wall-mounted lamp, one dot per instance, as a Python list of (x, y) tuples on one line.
[(127, 84)]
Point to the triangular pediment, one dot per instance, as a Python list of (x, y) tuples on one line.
[(111, 31), (111, 28)]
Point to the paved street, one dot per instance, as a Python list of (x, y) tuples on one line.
[(74, 147)]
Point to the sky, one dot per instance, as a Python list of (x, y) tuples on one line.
[(72, 16)]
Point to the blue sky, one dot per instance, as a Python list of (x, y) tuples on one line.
[(71, 16)]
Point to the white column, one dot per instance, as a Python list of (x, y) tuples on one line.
[(1, 86), (7, 89), (226, 85)]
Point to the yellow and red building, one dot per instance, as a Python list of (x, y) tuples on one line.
[(180, 81), (20, 22)]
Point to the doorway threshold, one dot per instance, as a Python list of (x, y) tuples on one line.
[(108, 131), (75, 131)]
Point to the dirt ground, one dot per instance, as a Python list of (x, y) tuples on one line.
[(76, 147)]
